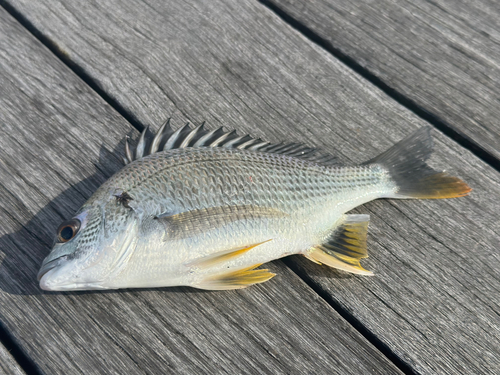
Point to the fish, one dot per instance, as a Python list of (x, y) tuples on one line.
[(206, 208)]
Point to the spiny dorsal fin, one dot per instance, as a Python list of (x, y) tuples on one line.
[(168, 139), (345, 247), (236, 279)]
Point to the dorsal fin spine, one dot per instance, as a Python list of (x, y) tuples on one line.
[(233, 142), (219, 141), (247, 144), (190, 136), (139, 150), (258, 146), (155, 145), (170, 144), (202, 141), (166, 139), (128, 153)]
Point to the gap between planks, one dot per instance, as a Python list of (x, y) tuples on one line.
[(25, 363), (400, 98)]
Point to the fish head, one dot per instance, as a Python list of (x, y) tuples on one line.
[(91, 248)]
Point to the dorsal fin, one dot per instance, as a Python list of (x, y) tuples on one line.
[(168, 139)]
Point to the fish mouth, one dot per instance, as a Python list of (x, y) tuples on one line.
[(46, 267), (50, 280)]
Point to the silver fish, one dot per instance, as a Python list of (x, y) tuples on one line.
[(206, 208)]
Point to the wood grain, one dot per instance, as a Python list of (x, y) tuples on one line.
[(442, 55), (8, 364), (58, 143), (434, 300)]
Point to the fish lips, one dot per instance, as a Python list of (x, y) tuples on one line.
[(47, 269), (50, 278), (47, 266)]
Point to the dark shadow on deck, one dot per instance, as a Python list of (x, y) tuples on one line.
[(24, 250)]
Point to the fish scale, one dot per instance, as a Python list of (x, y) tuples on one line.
[(207, 212), (274, 180)]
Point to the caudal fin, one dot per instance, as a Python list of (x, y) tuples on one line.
[(406, 164)]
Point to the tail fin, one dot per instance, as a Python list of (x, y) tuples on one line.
[(405, 162)]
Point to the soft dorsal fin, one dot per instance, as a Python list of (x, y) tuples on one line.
[(345, 247), (168, 139)]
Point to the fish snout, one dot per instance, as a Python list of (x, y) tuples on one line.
[(48, 267)]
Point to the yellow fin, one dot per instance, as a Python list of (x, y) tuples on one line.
[(222, 256), (345, 247), (438, 186), (236, 279), (413, 178), (320, 256)]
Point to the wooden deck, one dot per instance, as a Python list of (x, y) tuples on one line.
[(77, 77)]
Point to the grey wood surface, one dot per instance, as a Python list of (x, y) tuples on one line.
[(442, 55), (8, 364), (434, 299), (58, 143)]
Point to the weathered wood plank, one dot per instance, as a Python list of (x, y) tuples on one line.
[(8, 364), (53, 131), (434, 300), (442, 55)]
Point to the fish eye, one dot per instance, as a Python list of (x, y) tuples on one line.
[(68, 230)]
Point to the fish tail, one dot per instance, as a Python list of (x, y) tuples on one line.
[(413, 178)]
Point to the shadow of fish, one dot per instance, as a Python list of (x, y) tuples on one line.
[(206, 208)]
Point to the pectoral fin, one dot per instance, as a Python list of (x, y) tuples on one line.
[(236, 279), (222, 256), (345, 247)]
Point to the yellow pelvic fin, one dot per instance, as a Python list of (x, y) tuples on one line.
[(222, 256), (345, 247), (236, 279)]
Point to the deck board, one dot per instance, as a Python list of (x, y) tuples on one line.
[(433, 301), (58, 142), (442, 56), (8, 364)]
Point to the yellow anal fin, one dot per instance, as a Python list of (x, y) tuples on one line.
[(349, 237), (320, 256), (236, 279), (222, 256), (345, 247)]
